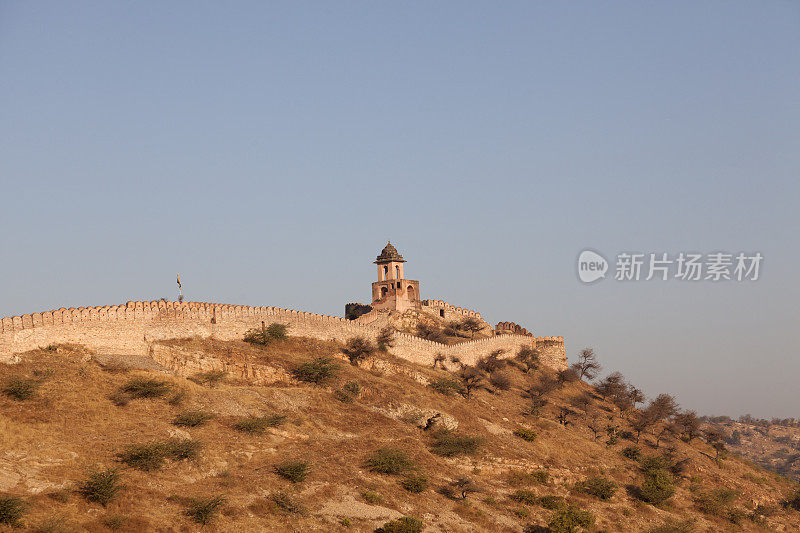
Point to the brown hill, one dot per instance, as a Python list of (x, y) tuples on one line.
[(221, 426)]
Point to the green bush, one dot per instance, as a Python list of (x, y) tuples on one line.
[(258, 424), (793, 501), (294, 471), (406, 524), (371, 497), (101, 486), (598, 487), (204, 510), (263, 336), (415, 483), (182, 448), (20, 389), (569, 518), (552, 502), (319, 370), (11, 510), (448, 387), (145, 457), (449, 444), (516, 477), (352, 387), (658, 486), (210, 378), (524, 496), (286, 503), (192, 418), (632, 452), (525, 434), (716, 502), (388, 461), (146, 388)]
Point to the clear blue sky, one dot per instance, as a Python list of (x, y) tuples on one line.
[(268, 150)]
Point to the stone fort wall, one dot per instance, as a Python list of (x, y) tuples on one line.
[(132, 328)]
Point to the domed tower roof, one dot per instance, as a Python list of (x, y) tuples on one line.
[(389, 253)]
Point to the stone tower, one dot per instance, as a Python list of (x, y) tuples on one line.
[(392, 291)]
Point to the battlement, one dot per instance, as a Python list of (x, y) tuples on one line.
[(131, 328), (450, 308), (504, 328)]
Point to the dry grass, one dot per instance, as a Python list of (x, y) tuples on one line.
[(71, 408)]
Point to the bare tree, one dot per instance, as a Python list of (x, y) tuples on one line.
[(563, 415), (527, 359), (461, 488), (539, 391), (385, 339), (664, 407), (587, 365), (595, 424), (582, 401), (716, 438), (471, 378), (641, 422), (472, 325), (358, 348), (492, 362), (612, 385), (566, 375), (430, 332), (438, 360), (500, 380), (636, 395), (688, 425)]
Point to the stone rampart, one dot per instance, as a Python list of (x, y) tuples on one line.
[(132, 328)]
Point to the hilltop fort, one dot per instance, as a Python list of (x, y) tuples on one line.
[(133, 327)]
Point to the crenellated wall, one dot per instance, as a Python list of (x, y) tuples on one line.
[(132, 328)]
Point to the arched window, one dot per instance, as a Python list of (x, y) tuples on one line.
[(384, 292), (397, 271), (410, 290), (385, 272)]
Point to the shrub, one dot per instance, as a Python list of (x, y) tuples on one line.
[(388, 461), (448, 444), (598, 487), (20, 389), (319, 370), (182, 448), (415, 483), (115, 522), (371, 497), (632, 452), (286, 503), (192, 418), (568, 519), (552, 501), (716, 502), (210, 378), (146, 388), (358, 348), (204, 510), (11, 510), (670, 526), (101, 486), (525, 434), (500, 380), (448, 387), (352, 387), (385, 339), (263, 336), (515, 477), (793, 501), (145, 457), (406, 524), (258, 424), (658, 486), (524, 496), (178, 398), (294, 471)]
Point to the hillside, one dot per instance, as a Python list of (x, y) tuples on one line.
[(248, 417)]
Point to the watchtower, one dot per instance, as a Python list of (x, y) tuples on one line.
[(392, 291)]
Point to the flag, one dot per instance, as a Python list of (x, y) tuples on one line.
[(179, 280)]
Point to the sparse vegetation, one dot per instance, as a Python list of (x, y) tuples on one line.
[(388, 461), (371, 497), (568, 519), (264, 335), (405, 524), (460, 488), (415, 483), (284, 502), (204, 510), (525, 434), (552, 501), (151, 455), (12, 508), (20, 389), (319, 370), (385, 339), (500, 380), (449, 444), (211, 378), (192, 419), (598, 487), (357, 349), (658, 485), (146, 388), (446, 386), (525, 496), (101, 486), (793, 501), (258, 424), (294, 471)]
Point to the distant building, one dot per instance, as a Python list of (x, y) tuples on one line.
[(392, 291)]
